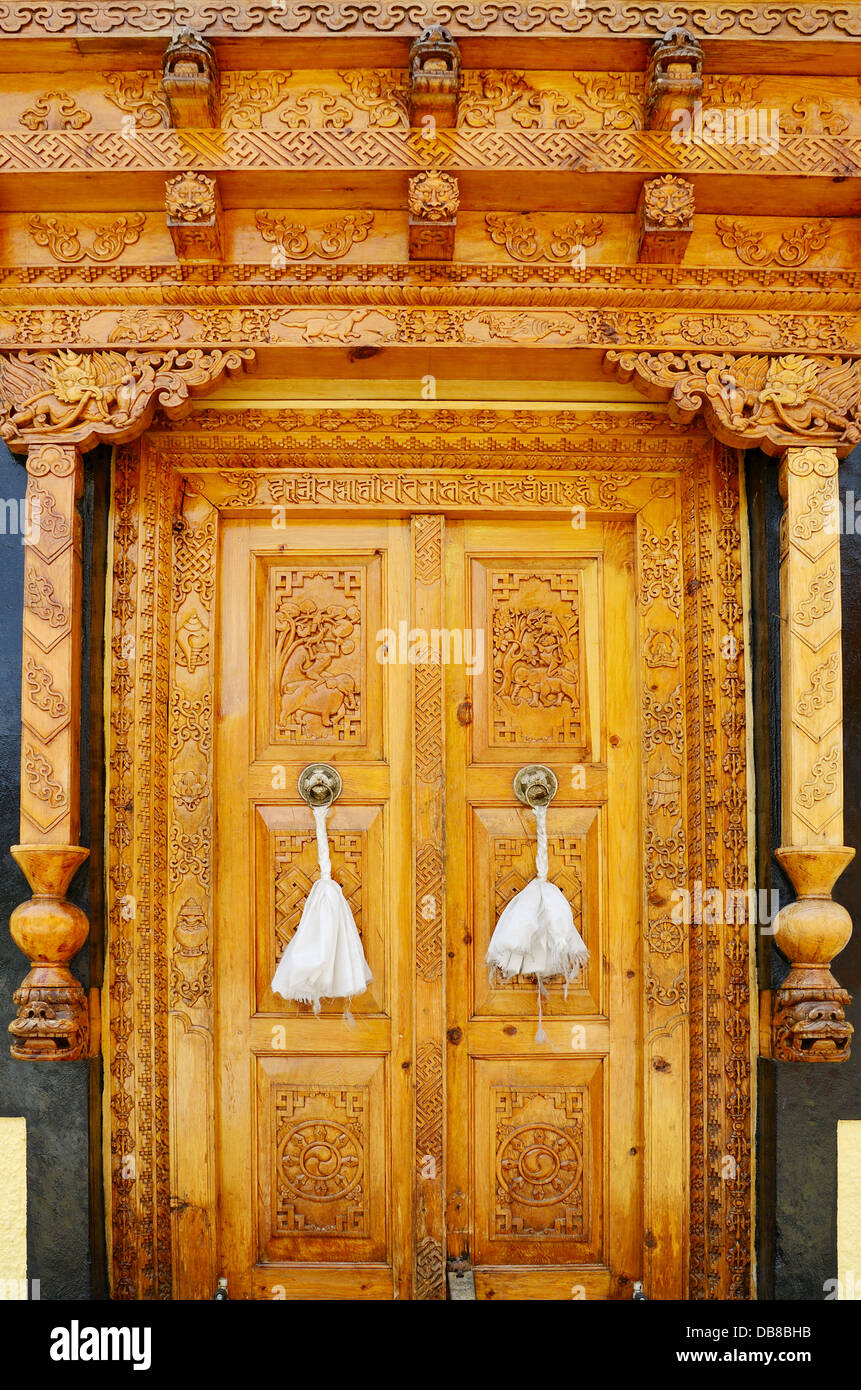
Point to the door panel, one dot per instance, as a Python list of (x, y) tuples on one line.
[(503, 842), (544, 1150), (315, 1115), (324, 1128)]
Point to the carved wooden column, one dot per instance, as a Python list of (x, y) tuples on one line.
[(808, 1020), (808, 412), (52, 1005), (53, 407)]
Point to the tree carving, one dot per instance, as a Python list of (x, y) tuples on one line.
[(772, 403)]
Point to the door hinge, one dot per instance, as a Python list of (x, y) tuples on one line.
[(461, 1280), (221, 1295)]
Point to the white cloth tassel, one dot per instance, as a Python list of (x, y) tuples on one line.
[(535, 934), (324, 959)]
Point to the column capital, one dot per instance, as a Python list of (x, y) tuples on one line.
[(86, 398), (771, 403)]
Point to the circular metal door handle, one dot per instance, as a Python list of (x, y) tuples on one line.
[(320, 784), (535, 785)]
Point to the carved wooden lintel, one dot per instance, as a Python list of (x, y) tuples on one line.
[(190, 81), (83, 398), (433, 205), (194, 216), (673, 78), (772, 403), (665, 217), (434, 77)]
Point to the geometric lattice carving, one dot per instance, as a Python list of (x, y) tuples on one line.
[(513, 860), (296, 870), (429, 906)]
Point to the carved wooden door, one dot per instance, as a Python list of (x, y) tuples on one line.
[(544, 1142), (343, 1172), (315, 1116)]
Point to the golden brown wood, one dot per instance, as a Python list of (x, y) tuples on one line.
[(809, 1021), (194, 217), (746, 310), (429, 790), (52, 1018), (679, 1066), (544, 1141), (666, 216), (321, 1116)]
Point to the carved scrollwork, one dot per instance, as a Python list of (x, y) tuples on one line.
[(525, 242), (796, 244), (295, 242), (109, 240), (773, 403), (84, 397)]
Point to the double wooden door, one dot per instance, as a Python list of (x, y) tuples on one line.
[(428, 658)]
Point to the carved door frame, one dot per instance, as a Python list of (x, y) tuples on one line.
[(169, 488)]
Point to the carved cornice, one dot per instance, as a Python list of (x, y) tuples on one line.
[(775, 286), (638, 19), (84, 398), (772, 403), (599, 151)]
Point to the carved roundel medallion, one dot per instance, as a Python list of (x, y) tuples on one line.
[(539, 1165), (320, 1161)]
